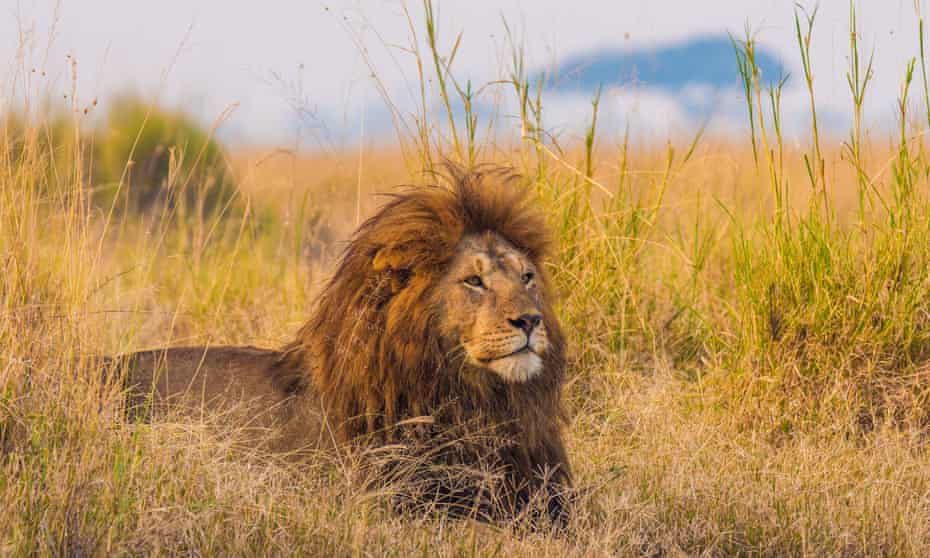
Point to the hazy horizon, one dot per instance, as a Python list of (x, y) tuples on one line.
[(290, 69)]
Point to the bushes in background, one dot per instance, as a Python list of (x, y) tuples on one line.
[(152, 158), (141, 159)]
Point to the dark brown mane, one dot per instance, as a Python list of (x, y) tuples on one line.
[(371, 349)]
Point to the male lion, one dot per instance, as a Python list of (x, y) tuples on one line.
[(440, 307)]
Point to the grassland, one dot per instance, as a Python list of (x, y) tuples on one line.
[(749, 322)]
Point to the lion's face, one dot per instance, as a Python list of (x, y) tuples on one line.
[(492, 309)]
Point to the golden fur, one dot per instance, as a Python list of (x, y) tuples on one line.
[(392, 338)]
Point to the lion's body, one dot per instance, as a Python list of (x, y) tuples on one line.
[(198, 376), (250, 386), (397, 335)]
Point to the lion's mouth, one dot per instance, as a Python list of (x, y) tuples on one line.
[(523, 350)]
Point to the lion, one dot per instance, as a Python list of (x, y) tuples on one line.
[(439, 318)]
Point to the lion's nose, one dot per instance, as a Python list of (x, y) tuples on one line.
[(526, 322)]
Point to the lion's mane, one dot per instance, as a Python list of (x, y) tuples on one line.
[(371, 349)]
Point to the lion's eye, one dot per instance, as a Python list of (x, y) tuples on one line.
[(527, 277), (474, 281)]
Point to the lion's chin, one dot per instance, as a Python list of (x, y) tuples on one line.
[(517, 368)]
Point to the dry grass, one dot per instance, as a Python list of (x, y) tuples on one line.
[(679, 434), (750, 352)]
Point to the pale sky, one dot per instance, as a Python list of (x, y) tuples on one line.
[(207, 55)]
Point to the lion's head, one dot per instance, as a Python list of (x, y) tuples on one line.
[(441, 306), (491, 309)]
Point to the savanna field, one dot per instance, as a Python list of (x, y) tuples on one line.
[(749, 325)]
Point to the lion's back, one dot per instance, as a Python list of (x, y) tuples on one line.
[(241, 386)]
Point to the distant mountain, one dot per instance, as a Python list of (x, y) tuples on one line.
[(708, 61)]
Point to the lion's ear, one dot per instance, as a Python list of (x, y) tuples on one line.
[(397, 262), (395, 257)]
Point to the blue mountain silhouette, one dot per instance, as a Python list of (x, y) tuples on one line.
[(708, 60)]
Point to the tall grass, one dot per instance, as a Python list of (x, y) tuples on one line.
[(836, 308), (748, 322)]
